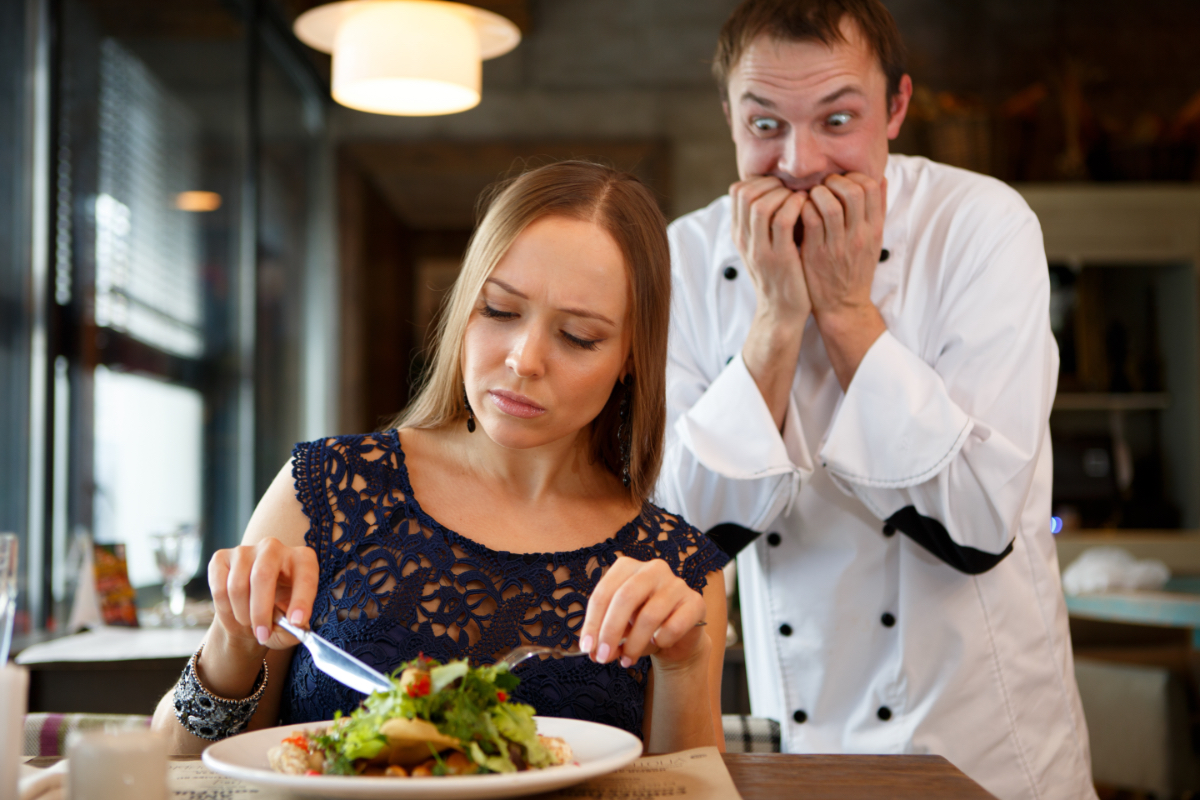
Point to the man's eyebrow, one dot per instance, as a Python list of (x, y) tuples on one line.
[(762, 101), (577, 312), (840, 93)]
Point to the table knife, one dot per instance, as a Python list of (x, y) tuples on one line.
[(337, 663)]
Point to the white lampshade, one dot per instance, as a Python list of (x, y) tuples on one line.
[(407, 57)]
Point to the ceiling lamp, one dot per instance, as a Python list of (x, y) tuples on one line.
[(407, 57)]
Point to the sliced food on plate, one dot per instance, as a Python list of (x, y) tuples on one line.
[(438, 719)]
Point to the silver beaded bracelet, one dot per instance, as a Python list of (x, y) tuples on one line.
[(208, 716)]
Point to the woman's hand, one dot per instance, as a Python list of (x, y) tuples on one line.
[(652, 609), (249, 582)]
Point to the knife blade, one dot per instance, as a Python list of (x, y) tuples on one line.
[(337, 663)]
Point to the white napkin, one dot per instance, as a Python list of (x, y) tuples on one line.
[(85, 611), (1104, 569), (43, 784)]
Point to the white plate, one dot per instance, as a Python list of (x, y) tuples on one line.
[(599, 749)]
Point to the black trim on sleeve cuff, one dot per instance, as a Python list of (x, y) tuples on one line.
[(933, 536), (731, 538)]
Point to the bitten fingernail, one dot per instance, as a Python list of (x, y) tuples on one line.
[(602, 654), (585, 644), (626, 662), (262, 634), (297, 617)]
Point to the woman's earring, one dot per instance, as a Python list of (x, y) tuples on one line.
[(470, 413), (625, 429)]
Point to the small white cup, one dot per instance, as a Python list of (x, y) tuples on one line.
[(117, 766), (14, 697)]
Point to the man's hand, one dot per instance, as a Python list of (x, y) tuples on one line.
[(843, 234), (765, 213)]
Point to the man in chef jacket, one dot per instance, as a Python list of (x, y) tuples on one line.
[(876, 401)]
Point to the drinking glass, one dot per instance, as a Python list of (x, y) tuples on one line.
[(8, 592), (177, 555)]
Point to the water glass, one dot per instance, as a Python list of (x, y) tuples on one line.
[(117, 766), (8, 592), (14, 695), (177, 555)]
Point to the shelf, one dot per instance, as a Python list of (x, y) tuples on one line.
[(1100, 401)]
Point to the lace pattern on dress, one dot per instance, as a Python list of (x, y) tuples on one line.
[(395, 583)]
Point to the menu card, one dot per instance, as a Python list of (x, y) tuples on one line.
[(697, 774), (118, 600)]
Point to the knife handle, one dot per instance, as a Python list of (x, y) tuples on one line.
[(281, 621)]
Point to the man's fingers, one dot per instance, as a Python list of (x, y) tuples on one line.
[(874, 197), (745, 193), (814, 227), (761, 218), (783, 224), (833, 216), (751, 189), (852, 196)]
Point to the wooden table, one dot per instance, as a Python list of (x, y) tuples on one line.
[(767, 776), (770, 776)]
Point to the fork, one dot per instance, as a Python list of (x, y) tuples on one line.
[(519, 654)]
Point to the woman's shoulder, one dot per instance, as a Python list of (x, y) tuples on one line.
[(666, 523), (691, 554), (367, 446), (321, 465)]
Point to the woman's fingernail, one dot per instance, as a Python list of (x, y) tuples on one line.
[(585, 644), (297, 617), (626, 662), (602, 653), (262, 634)]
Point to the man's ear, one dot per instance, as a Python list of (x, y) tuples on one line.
[(725, 110), (898, 106)]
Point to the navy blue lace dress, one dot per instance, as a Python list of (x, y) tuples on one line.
[(395, 583)]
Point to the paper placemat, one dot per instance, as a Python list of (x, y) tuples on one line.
[(697, 774)]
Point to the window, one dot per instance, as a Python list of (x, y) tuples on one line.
[(187, 222)]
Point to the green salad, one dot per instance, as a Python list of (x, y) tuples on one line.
[(438, 719)]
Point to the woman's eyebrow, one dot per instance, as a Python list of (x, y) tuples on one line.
[(578, 312)]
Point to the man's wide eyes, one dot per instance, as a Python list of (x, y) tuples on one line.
[(764, 124), (837, 120)]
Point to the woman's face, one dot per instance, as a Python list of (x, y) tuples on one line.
[(549, 335)]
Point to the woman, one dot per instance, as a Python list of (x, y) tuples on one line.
[(506, 506)]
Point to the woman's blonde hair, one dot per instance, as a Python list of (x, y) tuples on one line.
[(621, 205)]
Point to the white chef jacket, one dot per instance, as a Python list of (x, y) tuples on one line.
[(907, 598)]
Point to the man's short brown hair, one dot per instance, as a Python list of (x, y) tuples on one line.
[(808, 20)]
